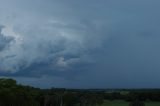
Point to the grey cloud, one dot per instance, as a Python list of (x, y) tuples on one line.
[(59, 44), (4, 40), (91, 40)]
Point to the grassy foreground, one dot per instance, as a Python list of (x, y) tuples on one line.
[(115, 103), (123, 103), (153, 104)]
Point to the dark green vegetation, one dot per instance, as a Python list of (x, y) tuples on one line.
[(13, 94)]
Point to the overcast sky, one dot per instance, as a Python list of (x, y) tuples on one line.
[(81, 43)]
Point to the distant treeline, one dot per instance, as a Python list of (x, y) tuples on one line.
[(13, 94)]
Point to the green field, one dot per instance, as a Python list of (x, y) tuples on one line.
[(123, 103), (115, 103), (153, 104)]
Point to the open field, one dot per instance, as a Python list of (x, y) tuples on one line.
[(123, 103), (153, 104), (115, 103)]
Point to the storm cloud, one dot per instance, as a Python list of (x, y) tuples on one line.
[(56, 43), (4, 40), (82, 43)]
